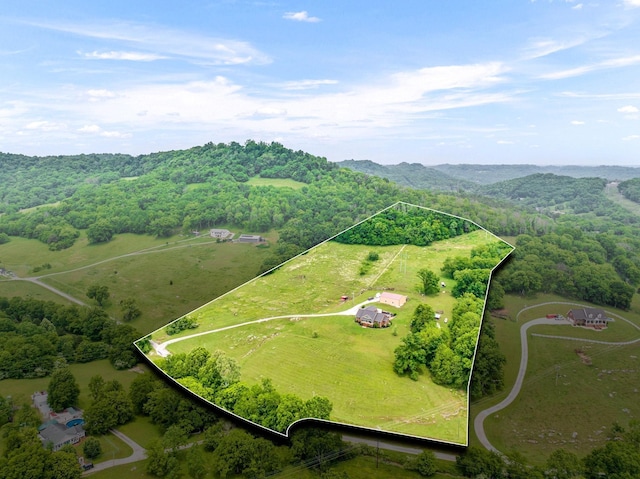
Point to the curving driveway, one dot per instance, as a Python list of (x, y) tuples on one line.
[(478, 422), (161, 348)]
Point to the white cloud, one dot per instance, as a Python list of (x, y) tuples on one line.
[(300, 17), (631, 3), (130, 56), (107, 134), (162, 42), (577, 7), (577, 122), (628, 109), (504, 142), (307, 84), (542, 47), (90, 129), (631, 137), (45, 126), (101, 93), (614, 63)]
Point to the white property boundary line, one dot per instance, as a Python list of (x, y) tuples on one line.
[(158, 347)]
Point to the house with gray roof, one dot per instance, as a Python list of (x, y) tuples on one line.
[(589, 317), (372, 317), (58, 435)]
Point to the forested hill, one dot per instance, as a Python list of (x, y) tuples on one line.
[(32, 181), (413, 175)]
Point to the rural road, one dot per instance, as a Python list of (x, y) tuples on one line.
[(395, 447), (478, 422)]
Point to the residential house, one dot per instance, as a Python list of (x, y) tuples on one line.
[(59, 435), (372, 317), (220, 233), (590, 317)]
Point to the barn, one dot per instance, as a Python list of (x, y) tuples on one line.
[(393, 299)]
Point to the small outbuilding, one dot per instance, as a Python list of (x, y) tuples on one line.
[(393, 299)]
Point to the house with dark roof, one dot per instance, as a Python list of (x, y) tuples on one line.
[(372, 317), (250, 239), (58, 435), (590, 317)]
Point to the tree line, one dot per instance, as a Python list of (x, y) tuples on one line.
[(37, 336), (216, 377)]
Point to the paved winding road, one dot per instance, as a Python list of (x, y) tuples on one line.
[(478, 422)]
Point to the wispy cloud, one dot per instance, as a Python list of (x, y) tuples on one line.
[(45, 126), (302, 16), (607, 64), (541, 47), (631, 3), (130, 56), (631, 137), (307, 84), (577, 122), (161, 42), (628, 109)]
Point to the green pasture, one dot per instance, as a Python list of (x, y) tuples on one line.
[(276, 182), (26, 289), (331, 355), (612, 192), (112, 448), (21, 255), (313, 282), (168, 281), (585, 399)]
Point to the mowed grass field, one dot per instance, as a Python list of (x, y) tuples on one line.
[(352, 366), (564, 402)]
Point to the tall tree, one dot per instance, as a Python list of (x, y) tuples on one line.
[(428, 282), (63, 389)]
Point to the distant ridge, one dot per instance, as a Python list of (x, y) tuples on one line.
[(466, 177)]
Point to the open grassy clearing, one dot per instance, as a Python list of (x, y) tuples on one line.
[(168, 282), (25, 289), (21, 255), (277, 182), (344, 362), (314, 282), (22, 389), (538, 422), (611, 192), (141, 430)]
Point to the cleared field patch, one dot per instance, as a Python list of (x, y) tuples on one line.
[(314, 282), (276, 182), (168, 281)]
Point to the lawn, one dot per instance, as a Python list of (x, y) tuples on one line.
[(25, 289), (333, 356), (585, 399)]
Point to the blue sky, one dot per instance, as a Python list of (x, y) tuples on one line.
[(427, 81)]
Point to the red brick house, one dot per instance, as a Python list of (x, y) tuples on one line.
[(589, 317), (372, 317)]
